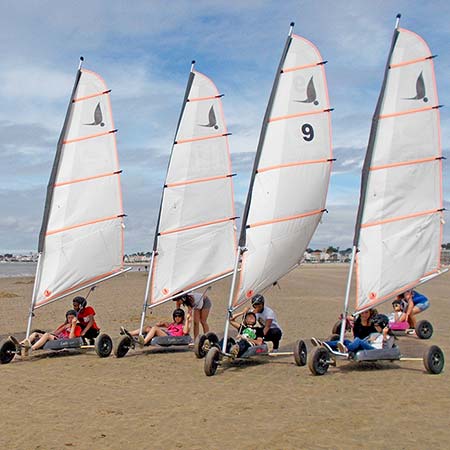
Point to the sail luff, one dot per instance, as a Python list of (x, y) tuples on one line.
[(371, 143), (54, 172), (242, 237)]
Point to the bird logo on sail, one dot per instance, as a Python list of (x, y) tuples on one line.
[(420, 90), (311, 94), (98, 117), (212, 121)]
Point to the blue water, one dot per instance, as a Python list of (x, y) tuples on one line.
[(17, 269)]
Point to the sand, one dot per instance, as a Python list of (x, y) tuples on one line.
[(162, 399)]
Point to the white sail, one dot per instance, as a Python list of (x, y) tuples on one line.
[(195, 241), (291, 173), (400, 220), (82, 232)]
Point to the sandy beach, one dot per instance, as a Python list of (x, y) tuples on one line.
[(155, 399)]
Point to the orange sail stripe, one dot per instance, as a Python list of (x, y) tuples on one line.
[(293, 164), (409, 111), (191, 227), (91, 136), (198, 180), (292, 116), (293, 69), (86, 97), (403, 163), (79, 180), (285, 219), (395, 219), (83, 224), (200, 99), (202, 138)]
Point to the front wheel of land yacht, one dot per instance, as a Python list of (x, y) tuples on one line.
[(424, 329), (300, 353), (122, 346), (7, 351), (433, 359), (103, 345), (319, 361), (199, 346), (212, 361)]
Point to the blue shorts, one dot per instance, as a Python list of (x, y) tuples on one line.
[(423, 306)]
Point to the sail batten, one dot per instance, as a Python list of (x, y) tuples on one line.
[(398, 231)]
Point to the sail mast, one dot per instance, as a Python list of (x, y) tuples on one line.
[(49, 197), (242, 238), (365, 176), (155, 240)]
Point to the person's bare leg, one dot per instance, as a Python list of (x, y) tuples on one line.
[(136, 332), (196, 322), (154, 331), (204, 313), (42, 341)]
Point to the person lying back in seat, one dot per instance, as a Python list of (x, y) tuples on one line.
[(68, 330), (179, 327)]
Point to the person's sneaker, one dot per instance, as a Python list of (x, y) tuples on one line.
[(342, 348), (316, 342), (123, 330), (26, 344), (234, 350), (275, 350), (410, 331), (141, 340)]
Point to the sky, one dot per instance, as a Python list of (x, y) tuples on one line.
[(143, 50)]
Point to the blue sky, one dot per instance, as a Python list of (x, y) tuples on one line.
[(143, 50)]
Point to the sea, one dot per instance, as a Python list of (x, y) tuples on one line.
[(17, 269)]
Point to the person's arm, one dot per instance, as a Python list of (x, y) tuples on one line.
[(234, 324), (162, 324), (73, 326), (59, 329), (385, 334), (267, 326), (88, 326), (187, 324), (179, 303), (242, 313), (257, 341)]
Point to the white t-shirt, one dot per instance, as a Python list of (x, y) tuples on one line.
[(266, 314), (198, 300), (377, 341)]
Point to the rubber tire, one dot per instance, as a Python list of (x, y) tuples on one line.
[(212, 338), (336, 327), (198, 346), (7, 351), (212, 361), (123, 345), (103, 345), (424, 329), (300, 353), (333, 337), (434, 360), (317, 361)]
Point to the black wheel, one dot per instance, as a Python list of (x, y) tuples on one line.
[(336, 327), (7, 351), (212, 338), (212, 361), (424, 329), (300, 353), (122, 346), (103, 345), (433, 359), (199, 346), (334, 337), (319, 361)]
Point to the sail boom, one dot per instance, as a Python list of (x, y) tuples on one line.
[(86, 285)]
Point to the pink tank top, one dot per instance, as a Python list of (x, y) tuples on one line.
[(175, 329)]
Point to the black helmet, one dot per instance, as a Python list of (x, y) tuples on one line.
[(397, 301), (71, 312), (178, 313), (257, 299), (381, 320), (81, 301)]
